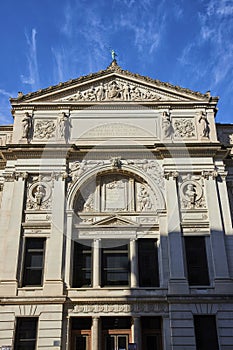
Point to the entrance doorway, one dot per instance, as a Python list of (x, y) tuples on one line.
[(116, 333), (116, 342)]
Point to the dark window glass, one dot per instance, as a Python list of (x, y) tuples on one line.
[(115, 266), (197, 266), (33, 262), (82, 265), (206, 333), (81, 323), (116, 323), (25, 335), (148, 263), (151, 333)]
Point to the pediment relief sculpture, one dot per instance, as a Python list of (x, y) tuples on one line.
[(118, 90)]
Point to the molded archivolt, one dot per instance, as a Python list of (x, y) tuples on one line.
[(103, 183)]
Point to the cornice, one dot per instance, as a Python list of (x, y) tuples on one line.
[(112, 70), (117, 105)]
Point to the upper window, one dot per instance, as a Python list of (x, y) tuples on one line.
[(196, 258), (148, 263), (25, 334), (115, 264), (82, 265), (33, 262)]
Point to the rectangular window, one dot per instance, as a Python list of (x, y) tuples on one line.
[(25, 334), (33, 262), (115, 264), (148, 263), (206, 332), (196, 258), (82, 265)]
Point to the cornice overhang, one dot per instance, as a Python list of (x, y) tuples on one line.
[(110, 72), (71, 152)]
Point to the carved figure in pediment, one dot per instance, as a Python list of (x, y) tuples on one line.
[(90, 94), (204, 124), (113, 90), (126, 92), (27, 125), (100, 92)]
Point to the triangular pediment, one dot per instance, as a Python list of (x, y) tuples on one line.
[(111, 85), (114, 221)]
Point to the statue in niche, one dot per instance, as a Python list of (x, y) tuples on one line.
[(64, 126), (27, 125), (39, 194), (204, 124), (166, 124), (144, 199), (191, 193)]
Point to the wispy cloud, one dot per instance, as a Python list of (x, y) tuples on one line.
[(33, 77), (214, 37), (67, 27)]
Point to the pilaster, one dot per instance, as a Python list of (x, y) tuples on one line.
[(54, 250), (177, 282), (134, 263), (221, 271), (96, 263), (10, 223)]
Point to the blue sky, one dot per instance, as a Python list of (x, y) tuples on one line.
[(184, 42)]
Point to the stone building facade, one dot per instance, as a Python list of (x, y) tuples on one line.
[(116, 196)]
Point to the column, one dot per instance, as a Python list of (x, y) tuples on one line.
[(54, 247), (136, 332), (134, 264), (217, 239), (68, 238), (96, 263), (95, 336), (10, 230), (224, 202), (178, 282)]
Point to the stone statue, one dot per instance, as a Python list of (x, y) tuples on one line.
[(114, 55), (191, 194), (144, 199), (64, 126), (100, 92), (27, 125), (39, 194), (166, 124), (205, 124)]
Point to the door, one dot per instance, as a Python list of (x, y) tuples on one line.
[(81, 341), (116, 342), (152, 342)]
